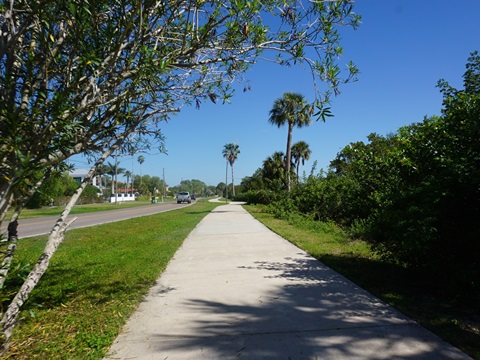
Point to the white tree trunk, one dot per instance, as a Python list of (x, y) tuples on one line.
[(10, 252), (55, 238)]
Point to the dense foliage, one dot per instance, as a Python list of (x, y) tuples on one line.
[(414, 194), (59, 188)]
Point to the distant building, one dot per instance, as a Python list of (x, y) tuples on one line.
[(79, 174)]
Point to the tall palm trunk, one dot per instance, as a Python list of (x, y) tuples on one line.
[(113, 181), (226, 182), (288, 157), (233, 182)]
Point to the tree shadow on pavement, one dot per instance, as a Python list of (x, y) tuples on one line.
[(311, 312)]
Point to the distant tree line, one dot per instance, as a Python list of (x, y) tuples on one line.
[(61, 186), (197, 187)]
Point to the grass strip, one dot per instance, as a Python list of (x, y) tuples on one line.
[(454, 319), (95, 281)]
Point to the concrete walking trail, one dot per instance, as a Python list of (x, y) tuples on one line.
[(236, 290)]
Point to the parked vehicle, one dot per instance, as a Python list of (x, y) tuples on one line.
[(184, 196), (193, 196)]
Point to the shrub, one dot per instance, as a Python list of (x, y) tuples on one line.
[(263, 197)]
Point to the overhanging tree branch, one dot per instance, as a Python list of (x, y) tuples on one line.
[(76, 75)]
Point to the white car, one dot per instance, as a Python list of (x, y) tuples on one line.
[(184, 196)]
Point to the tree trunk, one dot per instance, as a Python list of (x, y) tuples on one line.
[(113, 179), (233, 182), (12, 236), (5, 198), (226, 182), (10, 252), (55, 237), (288, 158)]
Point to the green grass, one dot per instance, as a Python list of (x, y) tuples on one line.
[(95, 281), (453, 317)]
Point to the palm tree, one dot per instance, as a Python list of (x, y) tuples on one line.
[(273, 170), (291, 109), (300, 152), (128, 174), (101, 171), (141, 160), (112, 170), (230, 152)]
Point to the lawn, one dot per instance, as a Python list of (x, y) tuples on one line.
[(95, 281), (453, 317)]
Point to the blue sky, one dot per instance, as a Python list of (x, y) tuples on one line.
[(402, 48)]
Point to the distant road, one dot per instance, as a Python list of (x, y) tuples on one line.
[(43, 225)]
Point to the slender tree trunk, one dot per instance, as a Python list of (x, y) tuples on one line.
[(13, 235), (9, 318), (233, 182), (56, 236), (288, 158), (5, 198), (113, 179), (226, 182), (10, 252)]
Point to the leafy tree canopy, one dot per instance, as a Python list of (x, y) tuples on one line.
[(78, 76)]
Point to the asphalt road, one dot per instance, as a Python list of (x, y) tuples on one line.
[(40, 226)]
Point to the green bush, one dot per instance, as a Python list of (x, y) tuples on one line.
[(262, 197), (59, 185), (90, 191)]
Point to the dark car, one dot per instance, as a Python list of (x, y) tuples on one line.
[(193, 196)]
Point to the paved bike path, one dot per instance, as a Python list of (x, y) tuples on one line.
[(236, 290)]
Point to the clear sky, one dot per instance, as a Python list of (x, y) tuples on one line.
[(402, 48)]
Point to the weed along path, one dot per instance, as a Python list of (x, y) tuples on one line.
[(43, 225), (236, 290)]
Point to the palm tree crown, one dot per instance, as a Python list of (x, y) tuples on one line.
[(230, 152), (291, 109), (128, 174), (300, 152), (141, 160)]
